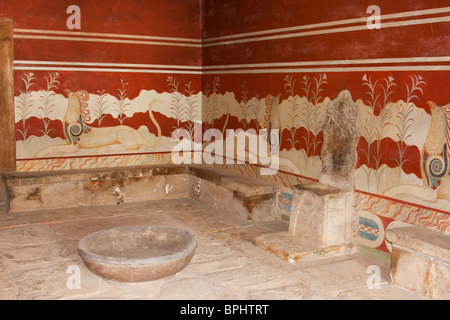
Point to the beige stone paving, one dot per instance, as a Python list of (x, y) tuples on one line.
[(38, 248)]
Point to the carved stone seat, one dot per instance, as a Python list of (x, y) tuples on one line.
[(321, 213)]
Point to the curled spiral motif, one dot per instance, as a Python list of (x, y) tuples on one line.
[(436, 167), (75, 129)]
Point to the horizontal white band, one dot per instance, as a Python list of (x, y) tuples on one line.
[(415, 13), (104, 64)]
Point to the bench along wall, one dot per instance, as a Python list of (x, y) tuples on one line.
[(298, 55), (111, 62)]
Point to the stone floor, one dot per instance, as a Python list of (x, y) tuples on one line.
[(38, 255)]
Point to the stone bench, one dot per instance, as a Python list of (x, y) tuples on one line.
[(74, 188), (250, 198), (421, 261), (253, 199)]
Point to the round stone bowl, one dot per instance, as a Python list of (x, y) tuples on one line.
[(137, 253)]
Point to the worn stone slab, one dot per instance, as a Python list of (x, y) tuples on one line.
[(251, 276), (200, 288), (354, 274), (240, 234), (429, 242), (145, 188), (177, 186), (4, 196), (260, 207), (107, 191), (442, 271), (224, 197), (245, 185), (294, 249), (27, 235), (25, 198), (29, 255), (66, 194), (421, 261), (248, 186)]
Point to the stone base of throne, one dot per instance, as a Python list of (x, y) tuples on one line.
[(296, 249), (320, 225)]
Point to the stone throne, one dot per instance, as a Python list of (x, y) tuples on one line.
[(321, 215)]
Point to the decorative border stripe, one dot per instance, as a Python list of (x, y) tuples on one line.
[(110, 35), (104, 67), (101, 64), (105, 37), (332, 23), (384, 25), (335, 69)]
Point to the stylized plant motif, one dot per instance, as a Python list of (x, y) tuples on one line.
[(190, 111), (210, 103), (311, 116), (293, 107), (206, 110), (46, 99), (244, 106), (100, 105), (256, 110), (406, 119), (122, 102), (373, 129), (210, 106), (176, 107), (25, 103)]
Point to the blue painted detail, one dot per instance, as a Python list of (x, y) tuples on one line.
[(286, 207), (368, 236), (287, 196), (368, 222)]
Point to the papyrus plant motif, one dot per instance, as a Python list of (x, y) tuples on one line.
[(294, 106), (122, 102), (100, 106), (191, 110), (405, 116), (244, 106), (256, 110), (25, 103), (211, 104), (311, 115), (376, 123), (176, 105), (46, 98)]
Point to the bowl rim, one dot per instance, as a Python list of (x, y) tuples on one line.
[(129, 261)]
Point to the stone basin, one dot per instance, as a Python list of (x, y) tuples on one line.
[(137, 253)]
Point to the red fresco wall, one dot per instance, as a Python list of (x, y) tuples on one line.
[(316, 49), (141, 19), (121, 48)]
